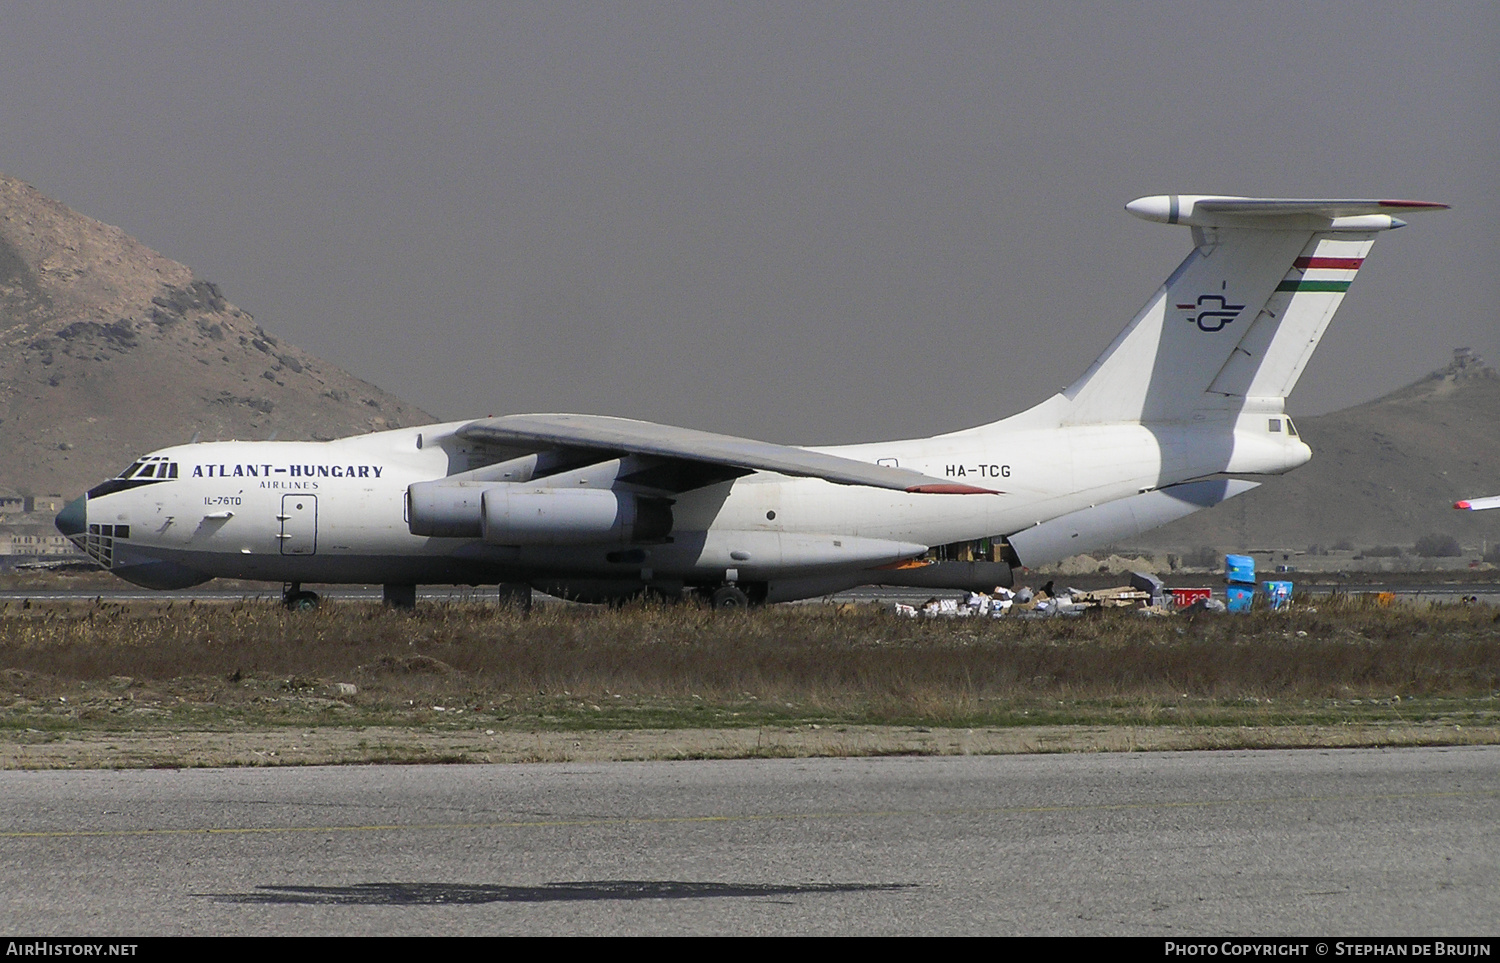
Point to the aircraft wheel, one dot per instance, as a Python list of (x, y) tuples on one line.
[(516, 595), (729, 597), (399, 596), (302, 601)]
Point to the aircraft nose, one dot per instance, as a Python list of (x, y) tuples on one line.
[(74, 518)]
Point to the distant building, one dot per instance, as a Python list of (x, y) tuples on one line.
[(26, 504), (44, 503), (1467, 364), (36, 542)]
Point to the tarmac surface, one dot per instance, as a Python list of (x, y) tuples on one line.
[(1313, 843), (1405, 590)]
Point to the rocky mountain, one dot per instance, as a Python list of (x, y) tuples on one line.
[(1383, 473), (108, 350)]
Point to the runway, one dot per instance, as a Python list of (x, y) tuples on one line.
[(1407, 591), (1313, 843)]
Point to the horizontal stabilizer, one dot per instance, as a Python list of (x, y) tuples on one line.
[(1327, 208), (1091, 528), (1478, 504), (1213, 210)]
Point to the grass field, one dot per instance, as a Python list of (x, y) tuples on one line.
[(72, 669)]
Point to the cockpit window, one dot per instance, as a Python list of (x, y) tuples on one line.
[(1291, 428), (152, 466), (144, 471)]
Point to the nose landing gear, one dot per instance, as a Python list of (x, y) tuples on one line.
[(297, 600)]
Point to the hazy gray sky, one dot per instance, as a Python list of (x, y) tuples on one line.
[(805, 222)]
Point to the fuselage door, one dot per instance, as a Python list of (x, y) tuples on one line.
[(299, 524)]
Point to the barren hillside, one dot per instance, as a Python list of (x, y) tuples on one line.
[(1383, 473), (108, 349)]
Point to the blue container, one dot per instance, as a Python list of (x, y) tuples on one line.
[(1239, 597), (1279, 594), (1239, 568)]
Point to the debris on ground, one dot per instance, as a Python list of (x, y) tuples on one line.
[(1145, 593)]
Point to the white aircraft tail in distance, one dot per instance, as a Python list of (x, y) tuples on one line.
[(1189, 398)]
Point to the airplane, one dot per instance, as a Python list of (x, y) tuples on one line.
[(1190, 396), (1478, 504)]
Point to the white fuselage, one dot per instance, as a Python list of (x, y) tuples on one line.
[(336, 511)]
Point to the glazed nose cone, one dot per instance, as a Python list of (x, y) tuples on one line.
[(74, 518)]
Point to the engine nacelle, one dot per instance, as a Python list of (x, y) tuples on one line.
[(445, 509), (512, 514), (520, 515)]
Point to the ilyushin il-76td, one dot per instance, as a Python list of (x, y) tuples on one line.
[(1187, 400)]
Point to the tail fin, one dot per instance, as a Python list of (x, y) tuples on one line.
[(1240, 317)]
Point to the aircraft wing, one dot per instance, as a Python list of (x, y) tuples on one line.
[(1478, 504), (625, 436)]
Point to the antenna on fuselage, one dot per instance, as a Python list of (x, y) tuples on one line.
[(194, 440)]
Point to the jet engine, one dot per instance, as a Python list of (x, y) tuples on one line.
[(445, 509), (510, 514)]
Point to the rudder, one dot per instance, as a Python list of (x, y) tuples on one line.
[(1269, 359)]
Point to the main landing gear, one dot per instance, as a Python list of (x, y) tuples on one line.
[(399, 596), (728, 598), (733, 595), (515, 595), (297, 600)]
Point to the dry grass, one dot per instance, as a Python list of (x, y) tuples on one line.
[(582, 667)]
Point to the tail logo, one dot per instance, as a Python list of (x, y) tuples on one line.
[(1213, 312)]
